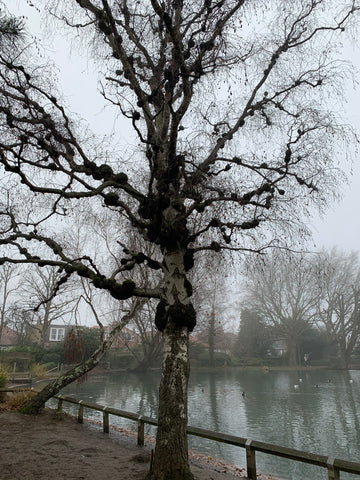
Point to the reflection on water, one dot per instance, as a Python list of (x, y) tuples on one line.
[(315, 411)]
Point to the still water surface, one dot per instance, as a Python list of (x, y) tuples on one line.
[(320, 415)]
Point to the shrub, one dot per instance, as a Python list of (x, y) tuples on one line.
[(222, 359), (118, 359), (3, 382), (50, 366), (252, 362), (17, 400), (3, 379), (39, 370)]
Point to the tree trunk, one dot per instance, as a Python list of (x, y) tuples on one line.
[(211, 339), (171, 451), (37, 403), (175, 317), (45, 327), (292, 352), (344, 357)]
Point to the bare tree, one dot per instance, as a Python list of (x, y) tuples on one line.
[(142, 339), (339, 304), (8, 286), (19, 320), (148, 352), (211, 299), (149, 348), (283, 289), (231, 123), (11, 30), (48, 300)]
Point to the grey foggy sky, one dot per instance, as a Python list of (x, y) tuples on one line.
[(340, 226), (341, 223)]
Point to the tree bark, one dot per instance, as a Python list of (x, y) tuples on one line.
[(171, 451)]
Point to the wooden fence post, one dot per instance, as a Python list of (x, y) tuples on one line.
[(106, 427), (81, 412), (141, 434), (250, 460), (60, 404), (333, 472)]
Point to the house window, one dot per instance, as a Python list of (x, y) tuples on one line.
[(57, 334)]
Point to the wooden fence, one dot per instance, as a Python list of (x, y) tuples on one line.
[(333, 465)]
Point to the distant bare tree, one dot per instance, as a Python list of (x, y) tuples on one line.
[(8, 286), (283, 290), (11, 30), (142, 339), (211, 298), (19, 320), (43, 294), (339, 304), (149, 349)]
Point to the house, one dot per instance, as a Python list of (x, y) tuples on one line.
[(223, 341), (8, 338), (56, 333), (278, 349), (126, 338)]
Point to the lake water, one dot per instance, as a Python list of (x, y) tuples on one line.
[(320, 415)]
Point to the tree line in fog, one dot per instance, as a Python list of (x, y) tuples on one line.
[(305, 306), (292, 309)]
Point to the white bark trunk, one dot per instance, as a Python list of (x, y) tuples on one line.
[(171, 451)]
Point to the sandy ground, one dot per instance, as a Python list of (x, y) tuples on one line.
[(54, 446)]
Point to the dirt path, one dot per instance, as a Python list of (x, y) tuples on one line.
[(51, 446)]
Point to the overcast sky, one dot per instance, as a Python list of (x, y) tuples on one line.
[(341, 223)]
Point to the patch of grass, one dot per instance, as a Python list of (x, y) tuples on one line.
[(39, 370), (16, 400)]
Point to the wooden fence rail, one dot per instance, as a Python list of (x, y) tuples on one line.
[(333, 465)]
